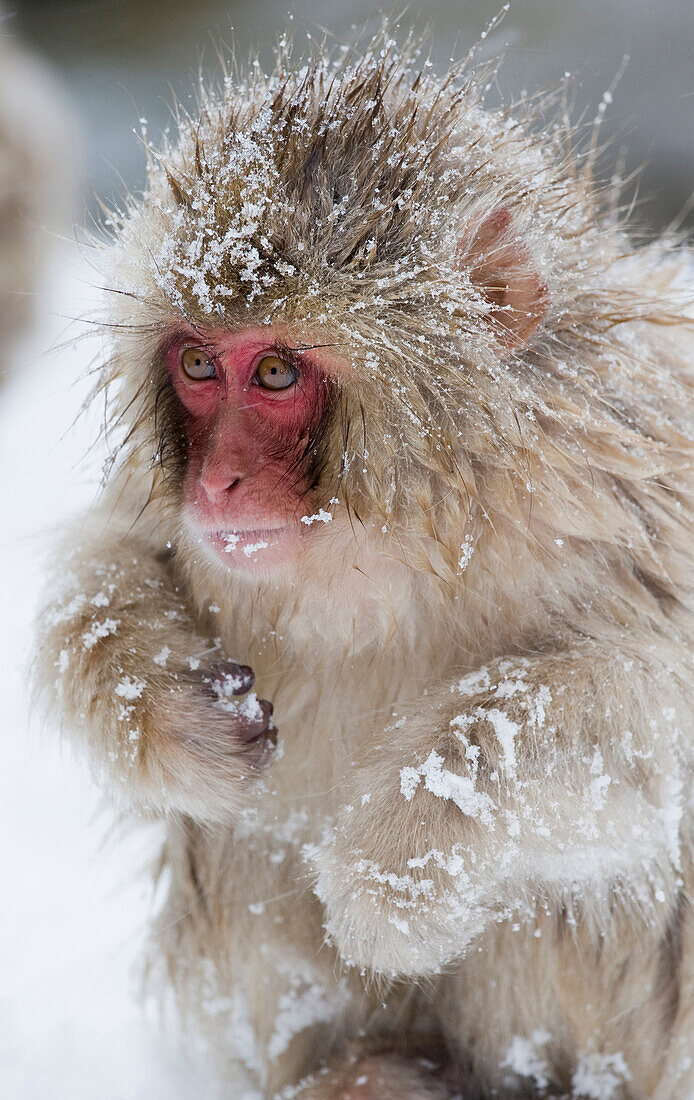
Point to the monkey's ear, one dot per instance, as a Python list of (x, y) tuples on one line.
[(502, 269)]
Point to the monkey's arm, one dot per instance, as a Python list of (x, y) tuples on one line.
[(128, 672), (536, 783)]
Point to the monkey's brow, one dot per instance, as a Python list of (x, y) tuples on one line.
[(308, 347), (180, 335)]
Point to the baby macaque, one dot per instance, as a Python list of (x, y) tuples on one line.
[(387, 606)]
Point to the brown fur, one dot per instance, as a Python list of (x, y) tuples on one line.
[(475, 841)]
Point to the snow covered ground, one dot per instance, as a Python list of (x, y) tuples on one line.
[(75, 897)]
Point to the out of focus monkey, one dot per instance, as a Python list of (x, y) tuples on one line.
[(37, 172), (407, 429)]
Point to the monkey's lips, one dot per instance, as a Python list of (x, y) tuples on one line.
[(244, 547)]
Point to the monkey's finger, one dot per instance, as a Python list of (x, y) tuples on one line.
[(259, 751), (226, 678), (251, 728), (269, 737), (237, 679)]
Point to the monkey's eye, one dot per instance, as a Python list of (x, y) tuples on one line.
[(274, 374), (197, 364)]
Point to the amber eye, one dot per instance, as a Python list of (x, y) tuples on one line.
[(197, 364), (274, 374)]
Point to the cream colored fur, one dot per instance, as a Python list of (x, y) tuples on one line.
[(474, 842)]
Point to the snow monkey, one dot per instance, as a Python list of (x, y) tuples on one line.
[(387, 608), (37, 173)]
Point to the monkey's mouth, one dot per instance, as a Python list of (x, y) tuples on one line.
[(247, 537), (251, 545)]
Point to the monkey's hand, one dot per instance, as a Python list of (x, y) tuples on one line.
[(216, 737), (128, 672), (510, 793)]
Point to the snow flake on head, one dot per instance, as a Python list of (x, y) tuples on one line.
[(307, 181), (215, 248)]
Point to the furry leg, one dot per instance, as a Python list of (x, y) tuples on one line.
[(677, 1080), (380, 1077)]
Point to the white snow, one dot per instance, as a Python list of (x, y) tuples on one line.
[(307, 1001), (506, 731), (320, 516), (599, 1076), (162, 656), (99, 630), (524, 1059), (467, 549), (254, 547), (443, 783), (130, 687), (75, 897)]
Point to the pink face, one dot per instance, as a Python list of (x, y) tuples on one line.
[(251, 404)]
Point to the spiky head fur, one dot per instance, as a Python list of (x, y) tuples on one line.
[(332, 198)]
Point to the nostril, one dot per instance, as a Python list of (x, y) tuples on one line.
[(222, 490), (217, 488)]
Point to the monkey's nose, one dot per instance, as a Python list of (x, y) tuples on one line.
[(219, 485)]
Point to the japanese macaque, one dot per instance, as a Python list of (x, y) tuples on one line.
[(386, 609), (37, 169)]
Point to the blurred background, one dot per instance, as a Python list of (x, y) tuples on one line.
[(120, 60), (77, 79)]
